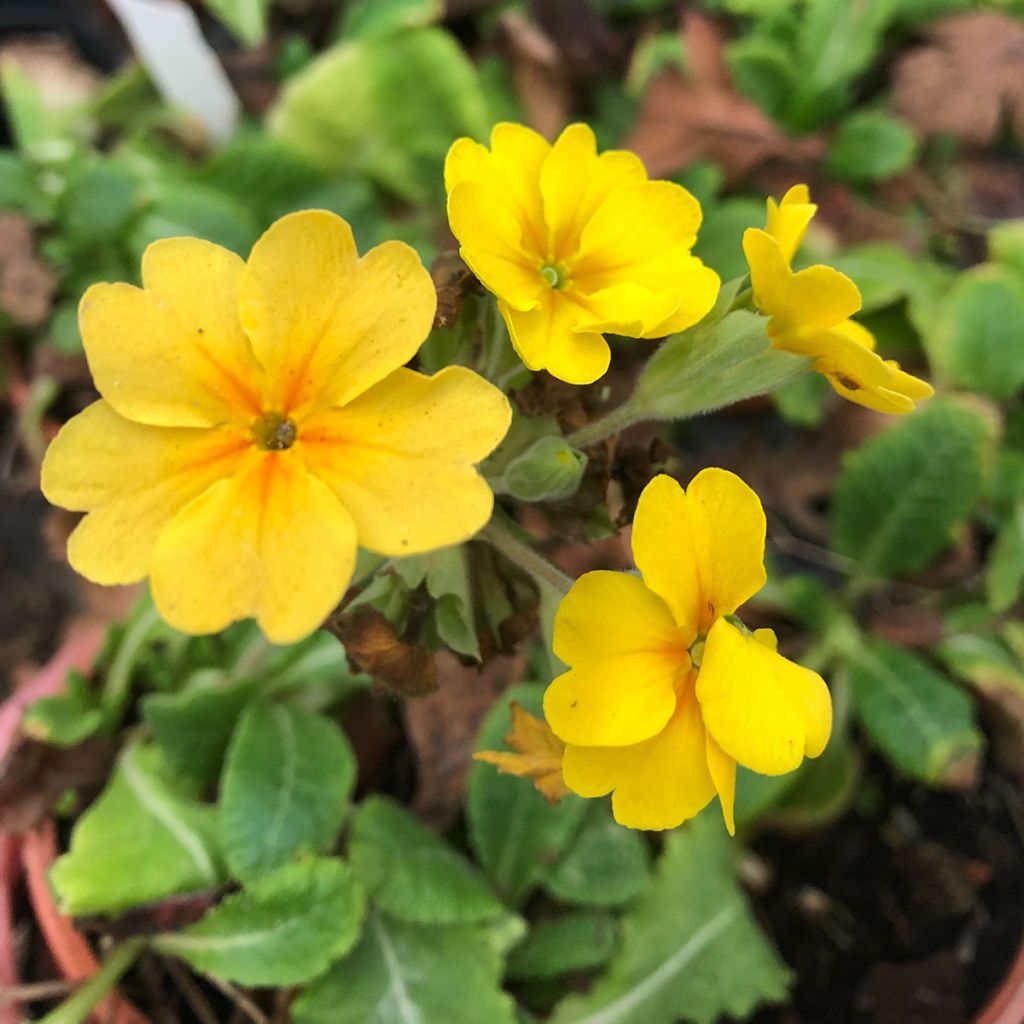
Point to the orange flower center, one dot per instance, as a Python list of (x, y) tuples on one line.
[(274, 432)]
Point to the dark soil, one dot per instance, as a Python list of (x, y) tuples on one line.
[(909, 910)]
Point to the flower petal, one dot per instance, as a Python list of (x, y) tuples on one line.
[(132, 479), (701, 550), (549, 338), (491, 243), (325, 324), (400, 457), (519, 153), (696, 290), (657, 784), (788, 221), (763, 710), (271, 542), (723, 773), (574, 181), (173, 354)]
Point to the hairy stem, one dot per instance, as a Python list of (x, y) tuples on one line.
[(532, 562), (611, 423)]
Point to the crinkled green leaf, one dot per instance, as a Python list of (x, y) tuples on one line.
[(145, 837), (516, 834), (284, 929), (606, 866), (707, 368), (901, 496), (871, 145), (411, 873), (99, 202), (285, 787), (691, 949), (978, 339), (579, 941), (921, 720), (404, 973)]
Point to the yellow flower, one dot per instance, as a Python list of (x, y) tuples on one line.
[(256, 424), (665, 693), (539, 754), (810, 313), (575, 245)]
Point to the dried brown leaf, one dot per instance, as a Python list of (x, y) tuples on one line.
[(27, 285)]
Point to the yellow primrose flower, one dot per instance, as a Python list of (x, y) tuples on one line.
[(575, 245), (256, 425), (538, 754), (810, 313), (666, 694)]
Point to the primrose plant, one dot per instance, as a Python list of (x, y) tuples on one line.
[(312, 436)]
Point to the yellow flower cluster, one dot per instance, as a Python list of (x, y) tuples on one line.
[(810, 312)]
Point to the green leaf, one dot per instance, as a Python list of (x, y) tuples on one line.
[(763, 70), (901, 496), (549, 470), (19, 190), (1004, 571), (386, 108), (922, 722), (705, 369), (821, 789), (247, 19), (720, 240), (411, 873), (448, 583), (410, 974), (978, 340), (1006, 246), (99, 202), (366, 19), (579, 941), (285, 787), (871, 146), (691, 949), (516, 834), (282, 930), (145, 838), (197, 211), (802, 401), (606, 866), (193, 726), (273, 178), (66, 718)]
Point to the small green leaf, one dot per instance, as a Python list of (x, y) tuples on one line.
[(871, 146), (579, 941), (691, 949), (285, 787), (606, 866), (763, 70), (901, 496), (410, 974), (366, 19), (448, 583), (99, 202), (1004, 571), (285, 929), (516, 834), (978, 340), (66, 718), (193, 725), (705, 369), (412, 874), (802, 401), (821, 789), (247, 19), (922, 722), (19, 190), (549, 470), (720, 240), (1006, 246), (145, 838)]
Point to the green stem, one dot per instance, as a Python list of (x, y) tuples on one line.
[(501, 538), (611, 423), (119, 675), (77, 1008)]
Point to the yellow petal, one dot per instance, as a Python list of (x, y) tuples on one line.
[(702, 550), (325, 324), (401, 457), (132, 479), (640, 233), (657, 784), (761, 709), (609, 613), (574, 181), (271, 542), (626, 657), (173, 354), (788, 221), (722, 769), (519, 153), (549, 338), (697, 290), (466, 161), (491, 243)]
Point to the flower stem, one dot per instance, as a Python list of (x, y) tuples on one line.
[(77, 1008), (611, 423), (547, 575)]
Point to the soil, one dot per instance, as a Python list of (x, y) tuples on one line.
[(907, 911)]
